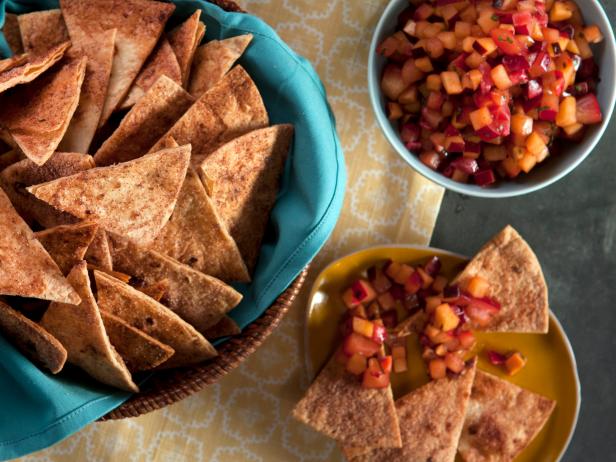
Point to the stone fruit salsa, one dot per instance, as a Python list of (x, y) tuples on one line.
[(483, 90), (418, 296)]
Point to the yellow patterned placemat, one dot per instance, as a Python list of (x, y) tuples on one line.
[(246, 417)]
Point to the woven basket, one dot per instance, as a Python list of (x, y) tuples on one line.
[(168, 387)]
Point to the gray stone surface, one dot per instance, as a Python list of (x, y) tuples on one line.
[(572, 228)]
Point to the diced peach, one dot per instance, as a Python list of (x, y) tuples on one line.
[(441, 350), (467, 44), (432, 302), (572, 47), (527, 162), (399, 272), (448, 108), (356, 364), (478, 287), (432, 333), (437, 369), (445, 318), (460, 176), (474, 79), (593, 34), (392, 83), (467, 339), (410, 73), (398, 352), (414, 283), (360, 311), (434, 47), (487, 43), (511, 167), (451, 82), (439, 284), (410, 28), (542, 155), (434, 82), (363, 327), (501, 77), (474, 60), (560, 12), (394, 111), (356, 343), (551, 35), (535, 144), (480, 118), (375, 376), (462, 29), (584, 47), (454, 362), (409, 96), (521, 124), (349, 299), (567, 112), (424, 64), (515, 363), (448, 39), (573, 130), (386, 301), (487, 21), (494, 153), (426, 279)]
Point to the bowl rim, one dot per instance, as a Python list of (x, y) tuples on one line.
[(311, 374), (469, 189)]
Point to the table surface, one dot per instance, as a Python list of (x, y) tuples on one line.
[(245, 417), (572, 228)]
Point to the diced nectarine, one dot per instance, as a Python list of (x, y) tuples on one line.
[(593, 34), (437, 369), (501, 77), (394, 111), (560, 12), (521, 124), (528, 162), (567, 112), (424, 64), (448, 39), (573, 130), (480, 118), (462, 29), (535, 144), (511, 167), (451, 82), (445, 318), (515, 363), (478, 287)]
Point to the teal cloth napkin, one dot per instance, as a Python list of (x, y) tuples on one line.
[(37, 409)]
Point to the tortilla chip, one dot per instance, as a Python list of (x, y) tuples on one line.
[(99, 49), (338, 406), (98, 253), (12, 34), (139, 351), (67, 244), (139, 25), (502, 420), (27, 270), (81, 331), (34, 342), (156, 320), (146, 122), (36, 116), (197, 298), (213, 60), (9, 158), (134, 198), (17, 177), (516, 281), (431, 420), (42, 30), (230, 109), (223, 328), (246, 173), (156, 290), (196, 236), (184, 40), (32, 68), (12, 62), (161, 62)]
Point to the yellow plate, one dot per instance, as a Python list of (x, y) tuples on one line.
[(550, 371)]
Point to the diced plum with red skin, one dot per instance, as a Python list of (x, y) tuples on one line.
[(358, 344), (363, 291), (587, 70), (481, 311), (410, 73), (484, 177), (410, 132), (379, 334), (506, 41), (548, 110), (540, 65), (430, 159), (496, 358), (454, 363), (414, 283), (392, 83), (386, 363), (349, 299), (467, 339), (374, 375), (410, 302), (522, 21), (363, 327), (433, 266), (388, 47), (431, 118), (533, 89), (435, 100), (414, 146), (554, 82), (588, 111), (390, 318), (579, 89), (423, 12), (380, 282), (466, 165), (487, 133), (516, 63), (460, 63)]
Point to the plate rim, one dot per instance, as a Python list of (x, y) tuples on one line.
[(571, 354)]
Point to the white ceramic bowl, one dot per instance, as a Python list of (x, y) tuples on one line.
[(554, 168)]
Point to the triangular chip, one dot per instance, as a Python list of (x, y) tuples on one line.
[(36, 116), (161, 62), (67, 244), (515, 281), (502, 420), (15, 178), (196, 236), (246, 173), (156, 320), (431, 420), (9, 158), (145, 123), (27, 270), (139, 351), (338, 406), (81, 331), (11, 33), (32, 68), (32, 340), (230, 109), (42, 30), (98, 253), (99, 49), (12, 62), (139, 25), (223, 328), (134, 198), (213, 60), (197, 298), (183, 40), (156, 290)]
